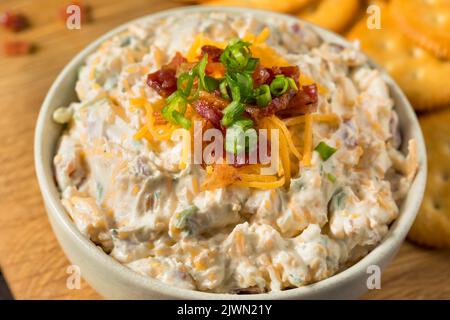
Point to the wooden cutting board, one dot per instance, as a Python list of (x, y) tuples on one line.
[(30, 257)]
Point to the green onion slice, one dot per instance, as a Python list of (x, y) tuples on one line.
[(235, 141), (232, 112), (223, 87), (263, 96), (279, 85), (325, 151), (234, 87), (236, 55), (331, 177), (175, 109), (245, 84), (211, 83), (181, 120), (183, 216), (292, 83), (201, 67), (184, 83)]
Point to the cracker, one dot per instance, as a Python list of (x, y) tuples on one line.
[(432, 225), (418, 72), (427, 23), (286, 6), (335, 15)]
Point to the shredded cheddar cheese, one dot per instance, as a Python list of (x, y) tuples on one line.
[(261, 184), (328, 118), (200, 41), (307, 146), (286, 135)]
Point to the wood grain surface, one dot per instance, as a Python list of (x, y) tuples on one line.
[(30, 257)]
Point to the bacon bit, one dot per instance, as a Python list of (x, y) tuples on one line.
[(292, 103), (164, 81), (276, 105), (14, 48), (291, 71), (207, 109), (177, 61), (213, 52), (263, 75), (305, 100), (85, 11), (13, 21)]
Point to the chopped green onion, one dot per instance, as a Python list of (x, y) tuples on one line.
[(181, 120), (279, 85), (224, 90), (234, 88), (244, 124), (331, 177), (263, 96), (241, 85), (182, 218), (245, 83), (184, 83), (236, 55), (292, 83), (211, 83), (175, 109), (251, 65), (235, 141), (325, 151), (232, 112), (201, 67)]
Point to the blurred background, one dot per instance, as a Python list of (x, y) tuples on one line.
[(35, 45)]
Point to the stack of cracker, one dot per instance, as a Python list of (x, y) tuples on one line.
[(413, 45)]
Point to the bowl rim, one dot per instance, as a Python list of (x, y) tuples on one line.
[(388, 244)]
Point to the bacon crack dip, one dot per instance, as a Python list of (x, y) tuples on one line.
[(135, 191)]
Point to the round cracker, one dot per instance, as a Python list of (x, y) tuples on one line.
[(285, 6), (335, 15), (427, 23), (432, 225), (418, 72)]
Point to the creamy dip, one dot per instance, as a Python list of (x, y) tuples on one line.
[(126, 195)]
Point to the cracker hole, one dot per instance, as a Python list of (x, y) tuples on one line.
[(436, 205), (445, 176)]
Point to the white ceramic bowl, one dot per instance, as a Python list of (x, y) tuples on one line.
[(115, 281)]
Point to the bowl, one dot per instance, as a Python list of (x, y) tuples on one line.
[(115, 281)]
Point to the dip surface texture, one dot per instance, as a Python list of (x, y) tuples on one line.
[(133, 198)]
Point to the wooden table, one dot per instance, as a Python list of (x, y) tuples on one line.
[(30, 258)]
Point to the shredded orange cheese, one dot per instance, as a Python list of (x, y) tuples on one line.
[(262, 37), (307, 145), (118, 109), (261, 184), (287, 135), (200, 41), (256, 177), (329, 118)]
